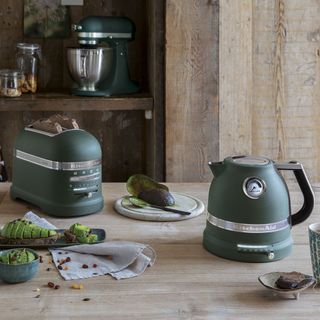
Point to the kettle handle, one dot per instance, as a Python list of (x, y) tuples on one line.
[(305, 188)]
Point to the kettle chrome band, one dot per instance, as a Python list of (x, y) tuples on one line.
[(247, 227), (56, 165)]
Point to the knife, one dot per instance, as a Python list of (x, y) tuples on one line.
[(142, 204)]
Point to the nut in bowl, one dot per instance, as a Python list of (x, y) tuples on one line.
[(18, 265)]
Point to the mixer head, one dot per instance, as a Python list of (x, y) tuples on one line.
[(93, 30)]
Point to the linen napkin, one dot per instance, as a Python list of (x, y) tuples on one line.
[(120, 259), (41, 222)]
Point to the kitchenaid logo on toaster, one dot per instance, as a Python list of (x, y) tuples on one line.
[(246, 227)]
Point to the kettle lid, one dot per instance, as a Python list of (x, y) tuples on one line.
[(250, 160)]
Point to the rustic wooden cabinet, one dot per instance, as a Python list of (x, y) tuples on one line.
[(129, 128)]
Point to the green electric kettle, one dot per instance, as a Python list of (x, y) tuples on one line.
[(249, 214)]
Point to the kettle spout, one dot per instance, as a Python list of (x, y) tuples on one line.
[(216, 167)]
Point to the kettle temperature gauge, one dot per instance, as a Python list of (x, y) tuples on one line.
[(254, 187)]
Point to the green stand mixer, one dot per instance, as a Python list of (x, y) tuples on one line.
[(249, 213), (100, 65)]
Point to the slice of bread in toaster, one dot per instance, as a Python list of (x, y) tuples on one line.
[(64, 121), (24, 232), (47, 126)]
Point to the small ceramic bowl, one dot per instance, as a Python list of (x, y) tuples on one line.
[(269, 281), (14, 273)]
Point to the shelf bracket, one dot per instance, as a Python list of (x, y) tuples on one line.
[(148, 114)]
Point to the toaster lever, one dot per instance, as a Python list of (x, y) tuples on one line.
[(85, 192)]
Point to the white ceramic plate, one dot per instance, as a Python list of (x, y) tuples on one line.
[(182, 202)]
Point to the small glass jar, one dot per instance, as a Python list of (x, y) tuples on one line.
[(28, 61), (11, 82)]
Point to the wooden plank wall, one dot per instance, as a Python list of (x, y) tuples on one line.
[(280, 119), (269, 84), (122, 134), (191, 90), (235, 77), (285, 103)]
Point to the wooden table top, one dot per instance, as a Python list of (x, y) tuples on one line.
[(186, 281)]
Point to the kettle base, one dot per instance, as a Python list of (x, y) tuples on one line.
[(247, 253)]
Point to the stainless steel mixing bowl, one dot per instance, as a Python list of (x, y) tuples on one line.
[(88, 67)]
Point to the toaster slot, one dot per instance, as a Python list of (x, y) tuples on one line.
[(86, 178)]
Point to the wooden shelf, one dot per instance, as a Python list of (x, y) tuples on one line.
[(58, 101)]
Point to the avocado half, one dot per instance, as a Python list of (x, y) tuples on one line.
[(149, 190), (140, 182)]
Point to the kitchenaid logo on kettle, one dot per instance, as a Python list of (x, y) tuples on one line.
[(253, 187), (254, 228), (247, 227)]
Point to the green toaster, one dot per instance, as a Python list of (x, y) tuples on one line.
[(60, 173)]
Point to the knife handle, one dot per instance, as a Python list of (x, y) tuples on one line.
[(170, 210)]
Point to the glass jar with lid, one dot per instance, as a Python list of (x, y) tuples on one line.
[(28, 61), (11, 82)]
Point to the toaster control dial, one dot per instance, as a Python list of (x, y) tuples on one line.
[(254, 187)]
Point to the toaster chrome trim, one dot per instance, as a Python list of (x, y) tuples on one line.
[(81, 165), (103, 35), (89, 177), (56, 165), (49, 134), (247, 227)]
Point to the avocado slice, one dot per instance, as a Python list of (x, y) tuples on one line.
[(89, 239), (20, 229), (5, 258), (92, 238), (30, 256), (27, 231), (36, 232), (44, 233), (52, 233), (14, 230), (4, 229), (8, 230)]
